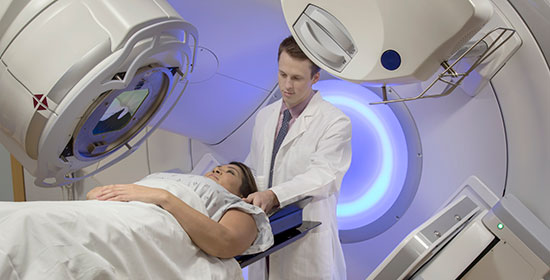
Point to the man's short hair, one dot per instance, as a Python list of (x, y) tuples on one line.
[(290, 46)]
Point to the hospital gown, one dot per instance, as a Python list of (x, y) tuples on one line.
[(216, 201), (119, 240)]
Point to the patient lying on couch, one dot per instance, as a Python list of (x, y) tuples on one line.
[(227, 231), (165, 226)]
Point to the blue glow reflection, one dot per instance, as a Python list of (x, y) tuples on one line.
[(379, 160), (381, 184)]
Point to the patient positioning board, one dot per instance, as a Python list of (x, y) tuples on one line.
[(287, 226)]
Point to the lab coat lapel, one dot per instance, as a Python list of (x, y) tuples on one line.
[(269, 137), (302, 122)]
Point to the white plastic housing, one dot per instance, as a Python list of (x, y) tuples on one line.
[(384, 41), (66, 65)]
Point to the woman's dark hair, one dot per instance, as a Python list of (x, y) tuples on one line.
[(248, 184), (292, 48)]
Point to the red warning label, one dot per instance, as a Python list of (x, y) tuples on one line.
[(43, 104)]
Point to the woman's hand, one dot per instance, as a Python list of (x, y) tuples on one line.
[(93, 193), (131, 192)]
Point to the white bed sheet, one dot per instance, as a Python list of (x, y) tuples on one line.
[(101, 240)]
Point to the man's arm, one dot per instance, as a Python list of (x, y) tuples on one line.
[(266, 200), (328, 163)]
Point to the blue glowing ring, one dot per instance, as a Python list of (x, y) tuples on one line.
[(382, 181), (385, 169)]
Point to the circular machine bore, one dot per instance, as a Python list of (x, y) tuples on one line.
[(385, 169), (118, 115)]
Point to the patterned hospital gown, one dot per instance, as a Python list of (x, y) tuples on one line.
[(217, 200)]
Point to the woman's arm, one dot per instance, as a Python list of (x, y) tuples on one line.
[(229, 237), (234, 233)]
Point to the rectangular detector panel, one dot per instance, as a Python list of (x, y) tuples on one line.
[(420, 245)]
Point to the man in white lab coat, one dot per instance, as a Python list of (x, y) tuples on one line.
[(311, 160)]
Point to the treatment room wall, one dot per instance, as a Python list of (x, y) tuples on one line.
[(6, 190)]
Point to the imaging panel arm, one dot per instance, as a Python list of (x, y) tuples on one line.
[(507, 242), (524, 241)]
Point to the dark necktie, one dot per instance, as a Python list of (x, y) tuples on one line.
[(278, 141)]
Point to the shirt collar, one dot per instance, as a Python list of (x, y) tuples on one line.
[(298, 109)]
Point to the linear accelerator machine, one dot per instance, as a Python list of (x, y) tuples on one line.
[(479, 233), (68, 101), (80, 79)]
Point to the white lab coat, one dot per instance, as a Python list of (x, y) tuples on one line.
[(312, 160)]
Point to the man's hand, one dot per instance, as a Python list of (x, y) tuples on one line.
[(267, 200)]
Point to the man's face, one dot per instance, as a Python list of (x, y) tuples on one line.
[(295, 79)]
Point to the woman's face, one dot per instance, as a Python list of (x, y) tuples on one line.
[(228, 176)]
